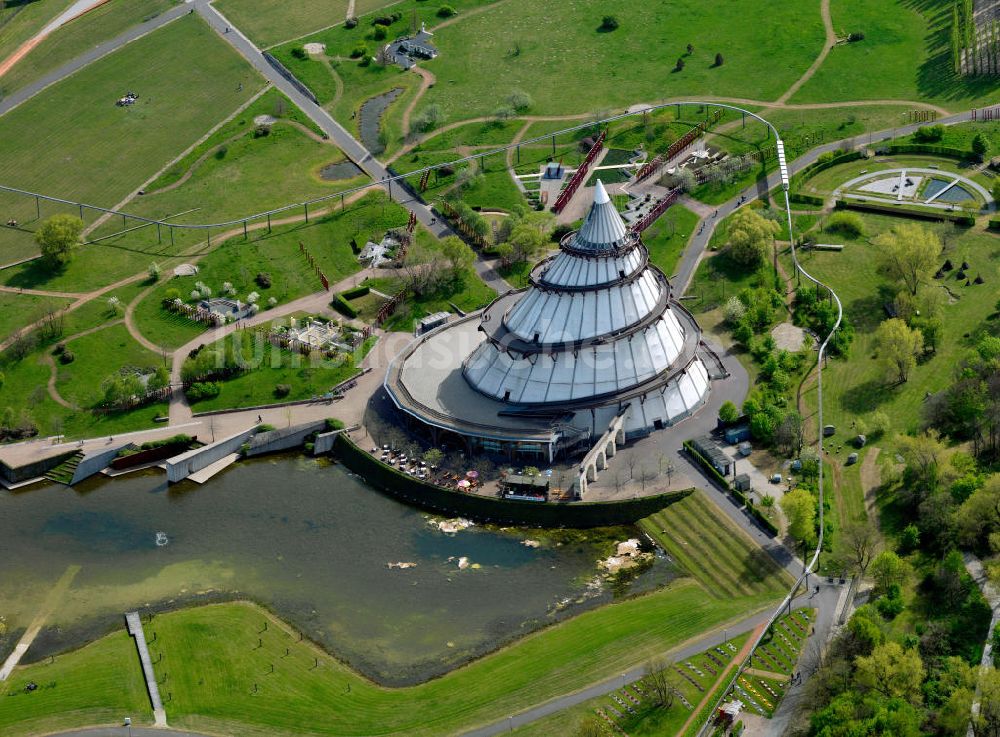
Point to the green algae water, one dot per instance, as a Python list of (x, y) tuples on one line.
[(378, 583)]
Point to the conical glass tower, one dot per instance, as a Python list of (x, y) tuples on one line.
[(597, 330)]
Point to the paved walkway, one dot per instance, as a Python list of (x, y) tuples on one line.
[(975, 568), (135, 629)]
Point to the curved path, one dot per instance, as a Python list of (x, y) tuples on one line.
[(427, 79), (831, 41), (54, 394)]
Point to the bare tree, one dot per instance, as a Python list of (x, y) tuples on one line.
[(661, 680), (861, 544)]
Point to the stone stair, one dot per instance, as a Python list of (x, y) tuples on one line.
[(63, 473)]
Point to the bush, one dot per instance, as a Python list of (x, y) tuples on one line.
[(265, 427), (609, 23), (263, 280), (66, 357), (203, 390), (445, 11), (847, 223), (351, 22), (342, 306), (719, 61), (380, 33), (728, 412), (929, 133), (59, 349), (360, 51), (332, 423), (300, 53), (282, 390), (855, 36), (356, 292)]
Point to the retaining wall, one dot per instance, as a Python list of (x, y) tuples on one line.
[(324, 442), (97, 461), (491, 509), (182, 466), (272, 441), (17, 474)]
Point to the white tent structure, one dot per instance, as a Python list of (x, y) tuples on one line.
[(595, 336)]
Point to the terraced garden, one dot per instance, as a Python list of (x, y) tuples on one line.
[(713, 550), (763, 685)]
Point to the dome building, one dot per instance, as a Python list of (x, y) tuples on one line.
[(595, 344)]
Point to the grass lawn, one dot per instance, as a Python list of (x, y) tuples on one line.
[(726, 561), (307, 376), (597, 70), (99, 355), (650, 720), (326, 238), (98, 684), (905, 55), (178, 103), (718, 278), (21, 21), (17, 310), (667, 237), (222, 641), (857, 386), (517, 273), (468, 292), (270, 23), (93, 28)]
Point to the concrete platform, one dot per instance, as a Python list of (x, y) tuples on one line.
[(200, 477)]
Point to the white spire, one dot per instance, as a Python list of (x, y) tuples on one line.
[(600, 194), (603, 228)]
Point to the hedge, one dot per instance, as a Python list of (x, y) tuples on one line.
[(709, 468), (994, 225), (492, 509), (356, 292), (342, 306), (928, 148), (817, 166), (724, 482), (806, 199), (959, 218)]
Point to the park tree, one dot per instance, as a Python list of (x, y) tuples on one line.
[(662, 681), (728, 412), (888, 570), (683, 179), (860, 542), (433, 456), (909, 254), (898, 348), (519, 100), (58, 236), (429, 118), (458, 254), (609, 23), (789, 436), (751, 236), (891, 671), (980, 146), (799, 507), (978, 518), (986, 723)]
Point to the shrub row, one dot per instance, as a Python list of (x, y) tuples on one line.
[(817, 166), (928, 148), (356, 292), (959, 218), (342, 306), (806, 199)]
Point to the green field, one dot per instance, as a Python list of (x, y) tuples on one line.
[(179, 102), (17, 310), (667, 237), (269, 23), (649, 720), (21, 21), (211, 661), (858, 386), (905, 55), (98, 356), (277, 253), (66, 43), (719, 555), (99, 684), (306, 376)]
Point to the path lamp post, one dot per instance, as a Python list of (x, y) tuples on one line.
[(128, 723)]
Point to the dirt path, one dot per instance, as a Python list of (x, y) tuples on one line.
[(427, 79), (831, 41), (467, 14), (51, 385), (871, 479), (336, 80)]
